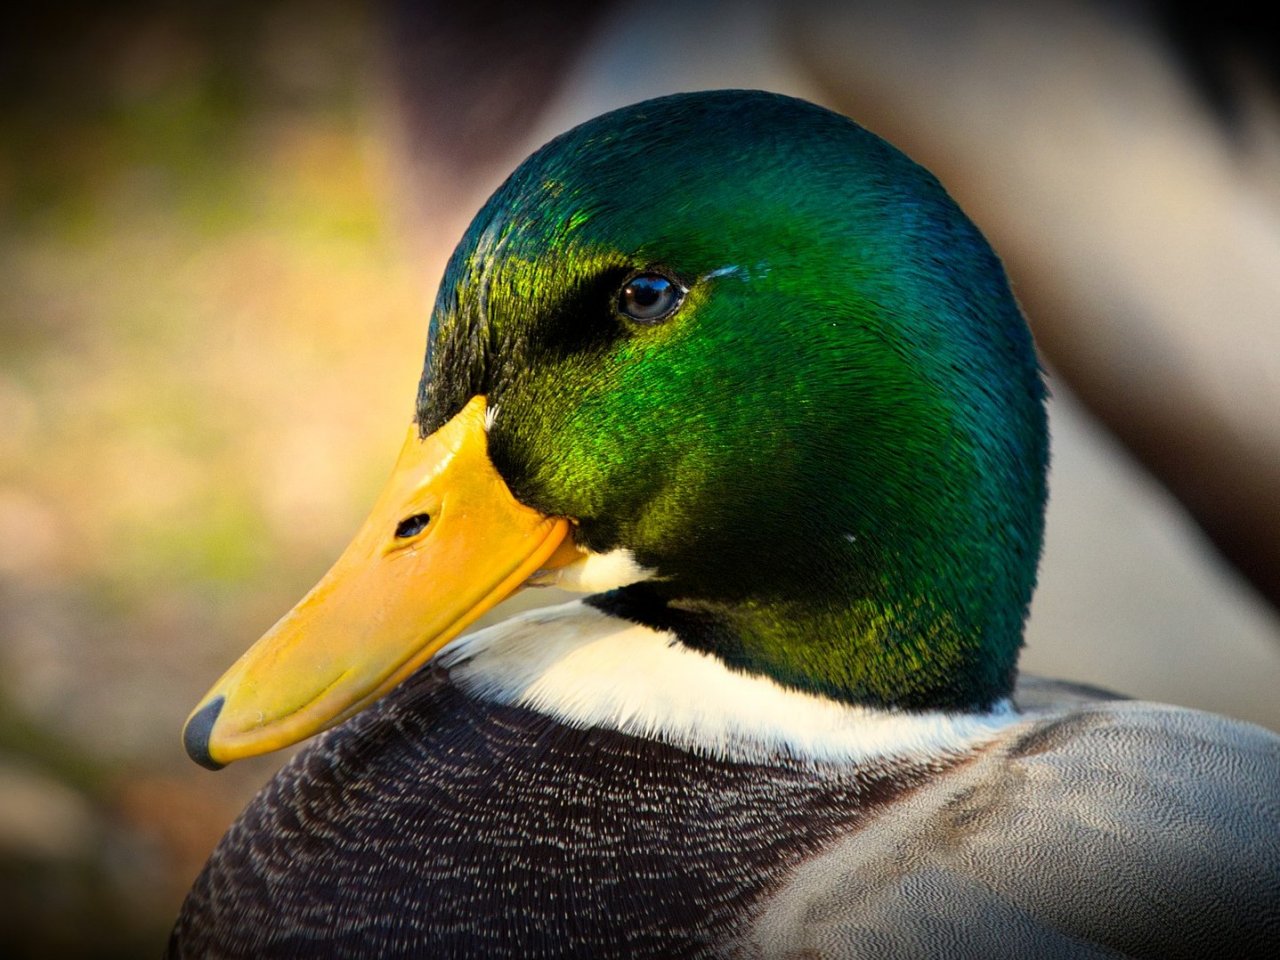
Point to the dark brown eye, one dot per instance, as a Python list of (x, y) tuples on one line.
[(650, 297)]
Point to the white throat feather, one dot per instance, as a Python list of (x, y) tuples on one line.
[(589, 669)]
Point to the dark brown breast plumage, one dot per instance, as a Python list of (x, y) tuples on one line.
[(438, 825)]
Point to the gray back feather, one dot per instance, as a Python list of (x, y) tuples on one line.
[(1094, 829)]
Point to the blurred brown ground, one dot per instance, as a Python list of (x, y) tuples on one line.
[(209, 340), (213, 234)]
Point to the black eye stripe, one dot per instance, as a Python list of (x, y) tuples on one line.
[(650, 297), (412, 526)]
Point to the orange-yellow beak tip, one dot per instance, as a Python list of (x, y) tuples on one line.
[(444, 543)]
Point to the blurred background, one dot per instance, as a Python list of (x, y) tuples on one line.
[(221, 226)]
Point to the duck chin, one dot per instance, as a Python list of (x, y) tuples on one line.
[(595, 573)]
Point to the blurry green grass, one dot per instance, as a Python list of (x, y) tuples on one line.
[(209, 343)]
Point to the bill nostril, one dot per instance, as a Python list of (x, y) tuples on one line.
[(412, 526)]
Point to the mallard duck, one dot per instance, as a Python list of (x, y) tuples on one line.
[(746, 376)]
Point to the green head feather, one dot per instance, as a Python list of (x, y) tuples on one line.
[(833, 453)]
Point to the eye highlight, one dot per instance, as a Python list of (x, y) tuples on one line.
[(650, 297)]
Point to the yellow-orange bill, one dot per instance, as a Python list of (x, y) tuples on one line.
[(445, 542)]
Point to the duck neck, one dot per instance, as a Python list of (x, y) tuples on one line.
[(900, 641)]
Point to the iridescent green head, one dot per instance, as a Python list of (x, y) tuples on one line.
[(755, 345)]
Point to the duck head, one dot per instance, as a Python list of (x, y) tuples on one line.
[(738, 361)]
